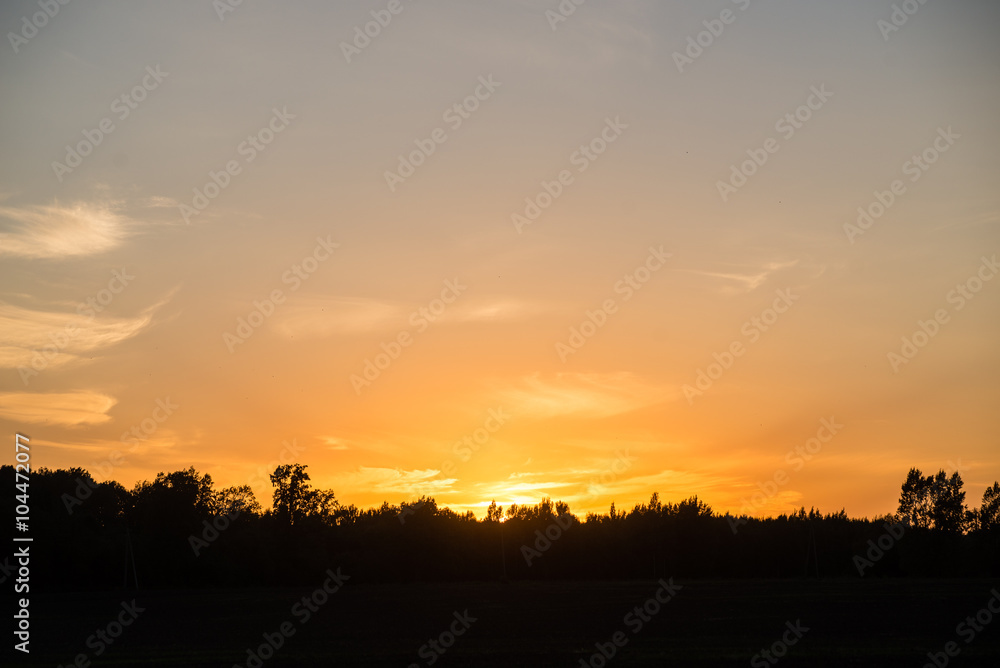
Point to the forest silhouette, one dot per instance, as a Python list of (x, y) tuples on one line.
[(179, 531)]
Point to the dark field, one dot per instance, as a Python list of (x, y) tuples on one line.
[(707, 623)]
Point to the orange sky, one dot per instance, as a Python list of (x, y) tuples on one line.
[(483, 257)]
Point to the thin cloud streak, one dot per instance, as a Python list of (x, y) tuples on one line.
[(71, 409), (593, 395), (55, 231), (751, 281), (63, 336), (321, 317)]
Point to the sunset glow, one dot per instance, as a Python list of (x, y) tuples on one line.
[(493, 255)]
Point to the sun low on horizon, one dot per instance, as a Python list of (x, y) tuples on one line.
[(481, 251)]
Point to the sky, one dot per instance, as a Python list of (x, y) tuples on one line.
[(506, 249)]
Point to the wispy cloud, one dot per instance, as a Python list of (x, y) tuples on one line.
[(57, 231), (594, 395), (159, 202), (319, 317), (71, 409), (737, 282), (64, 336), (334, 443), (392, 481), (100, 450)]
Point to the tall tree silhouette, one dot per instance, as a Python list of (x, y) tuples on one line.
[(494, 512), (320, 505), (948, 507), (988, 516), (933, 501), (915, 500), (291, 492)]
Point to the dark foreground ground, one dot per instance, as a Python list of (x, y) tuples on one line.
[(708, 623)]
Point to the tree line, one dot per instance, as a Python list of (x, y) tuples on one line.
[(178, 530)]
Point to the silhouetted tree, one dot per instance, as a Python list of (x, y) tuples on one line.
[(100, 532), (654, 503), (494, 512), (933, 501), (948, 502), (236, 500), (346, 515), (291, 492), (988, 516), (693, 507), (915, 500), (322, 505), (175, 500)]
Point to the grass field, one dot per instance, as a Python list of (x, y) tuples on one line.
[(707, 623)]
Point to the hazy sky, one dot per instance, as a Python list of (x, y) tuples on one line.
[(415, 227)]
